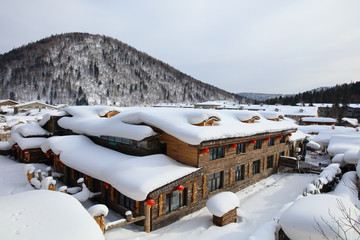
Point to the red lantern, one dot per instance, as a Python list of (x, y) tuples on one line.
[(357, 129), (26, 153), (61, 164), (180, 188), (253, 141), (47, 154), (267, 139), (206, 150), (106, 185), (289, 134), (13, 147), (332, 127), (234, 145), (86, 176), (280, 137), (150, 202)]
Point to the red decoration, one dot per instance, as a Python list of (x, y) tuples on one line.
[(333, 127), (47, 154), (13, 147), (86, 176), (26, 153), (253, 141), (106, 185), (357, 129), (206, 150), (234, 145), (280, 137), (289, 134), (150, 202), (180, 188), (267, 139), (61, 164)]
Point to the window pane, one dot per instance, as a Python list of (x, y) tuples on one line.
[(175, 200)]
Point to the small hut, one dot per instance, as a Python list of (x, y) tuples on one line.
[(223, 207)]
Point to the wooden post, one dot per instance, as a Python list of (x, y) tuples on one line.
[(160, 204), (249, 173), (39, 174), (30, 175), (230, 176), (204, 186), (52, 187), (265, 163), (194, 192), (101, 221), (129, 216), (147, 226), (49, 171), (112, 194)]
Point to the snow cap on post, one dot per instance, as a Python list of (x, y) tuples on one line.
[(222, 203), (98, 210)]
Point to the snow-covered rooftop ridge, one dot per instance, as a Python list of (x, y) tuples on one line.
[(178, 122), (222, 203), (352, 121), (47, 116), (33, 102), (343, 143), (30, 130), (318, 119), (286, 109), (133, 176), (26, 143), (88, 120), (272, 115)]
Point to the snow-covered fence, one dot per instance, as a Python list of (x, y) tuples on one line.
[(98, 212), (325, 181), (37, 180)]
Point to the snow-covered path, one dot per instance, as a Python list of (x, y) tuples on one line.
[(258, 204)]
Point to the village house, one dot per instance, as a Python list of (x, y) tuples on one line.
[(317, 121), (209, 151), (8, 102), (31, 105)]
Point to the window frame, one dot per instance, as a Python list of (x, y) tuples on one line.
[(255, 167), (270, 159), (257, 144), (215, 181), (216, 154), (271, 142), (240, 148), (240, 172), (175, 195)]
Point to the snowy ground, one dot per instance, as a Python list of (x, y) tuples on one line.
[(259, 204)]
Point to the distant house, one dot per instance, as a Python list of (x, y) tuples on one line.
[(317, 121), (183, 156), (31, 105), (8, 102), (350, 122), (208, 105)]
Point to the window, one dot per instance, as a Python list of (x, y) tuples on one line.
[(282, 140), (256, 167), (239, 172), (257, 144), (175, 200), (271, 142), (216, 153), (126, 202), (215, 181), (240, 148), (270, 161)]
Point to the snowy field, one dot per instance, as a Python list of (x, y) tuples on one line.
[(259, 205)]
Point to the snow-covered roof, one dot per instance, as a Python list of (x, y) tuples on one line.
[(301, 220), (30, 130), (176, 122), (133, 176), (26, 143), (298, 136), (222, 203), (33, 215), (47, 116), (352, 121), (344, 142), (34, 102), (318, 119), (286, 109)]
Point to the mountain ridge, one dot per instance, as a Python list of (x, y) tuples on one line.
[(83, 68)]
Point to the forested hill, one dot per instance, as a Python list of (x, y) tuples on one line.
[(80, 68), (344, 94)]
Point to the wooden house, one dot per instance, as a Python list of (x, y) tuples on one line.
[(222, 158), (31, 105), (8, 103)]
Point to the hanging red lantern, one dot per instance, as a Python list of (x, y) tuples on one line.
[(13, 147), (357, 129), (267, 139), (106, 185), (280, 137), (150, 202), (289, 134), (61, 164), (180, 188), (332, 127), (26, 153), (47, 154), (234, 145), (253, 141), (206, 150), (86, 176)]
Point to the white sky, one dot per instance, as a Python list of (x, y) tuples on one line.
[(270, 46)]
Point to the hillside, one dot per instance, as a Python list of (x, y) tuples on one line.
[(80, 68), (259, 96), (344, 94)]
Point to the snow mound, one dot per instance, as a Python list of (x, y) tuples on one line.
[(28, 168), (98, 210), (300, 221), (352, 156), (46, 182), (339, 158), (313, 145), (44, 215), (222, 203)]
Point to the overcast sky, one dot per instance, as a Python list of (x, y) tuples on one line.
[(269, 46)]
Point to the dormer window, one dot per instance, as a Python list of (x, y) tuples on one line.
[(111, 114), (209, 122)]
